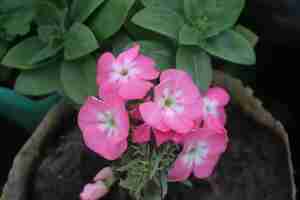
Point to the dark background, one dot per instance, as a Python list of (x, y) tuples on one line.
[(277, 22)]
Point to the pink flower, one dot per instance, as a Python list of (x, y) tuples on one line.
[(177, 103), (201, 152), (94, 191), (103, 174), (105, 126), (97, 190), (214, 116), (128, 75), (142, 134)]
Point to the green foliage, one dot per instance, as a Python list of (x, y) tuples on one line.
[(111, 18), (78, 78), (248, 34), (161, 20), (20, 56), (79, 42), (62, 36), (40, 81), (197, 63), (81, 10), (230, 46), (145, 168)]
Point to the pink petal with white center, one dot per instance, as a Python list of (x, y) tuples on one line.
[(217, 143), (94, 191), (146, 67), (218, 94), (178, 123), (152, 115), (129, 55), (182, 84), (174, 73), (141, 134), (103, 145), (214, 123), (88, 112), (103, 174), (180, 171), (104, 66), (135, 89), (194, 111), (206, 168)]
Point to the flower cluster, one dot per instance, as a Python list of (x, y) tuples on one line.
[(137, 101)]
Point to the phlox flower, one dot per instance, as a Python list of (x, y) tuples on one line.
[(128, 75), (177, 103), (98, 189), (201, 151), (214, 116), (105, 126)]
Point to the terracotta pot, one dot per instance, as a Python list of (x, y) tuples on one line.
[(54, 164)]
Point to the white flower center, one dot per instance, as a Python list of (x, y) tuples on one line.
[(210, 107), (196, 154), (123, 72), (169, 101), (107, 123)]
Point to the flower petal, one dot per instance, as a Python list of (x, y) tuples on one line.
[(152, 115), (218, 94), (88, 112), (103, 145), (206, 168), (146, 67), (178, 123), (180, 170), (104, 65), (94, 191), (214, 123), (141, 134), (129, 55), (105, 173), (194, 111), (162, 137), (135, 89)]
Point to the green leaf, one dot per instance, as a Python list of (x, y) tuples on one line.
[(3, 48), (47, 13), (189, 35), (108, 20), (17, 22), (81, 10), (79, 78), (161, 53), (211, 17), (197, 63), (49, 33), (79, 42), (45, 53), (161, 20), (39, 81), (248, 34), (176, 5), (231, 46), (188, 183), (20, 55), (152, 191), (120, 41), (164, 185)]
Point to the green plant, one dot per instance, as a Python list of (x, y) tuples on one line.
[(55, 43)]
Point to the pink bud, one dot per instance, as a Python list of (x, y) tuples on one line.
[(94, 191), (103, 174)]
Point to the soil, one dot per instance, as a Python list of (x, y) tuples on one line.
[(254, 167)]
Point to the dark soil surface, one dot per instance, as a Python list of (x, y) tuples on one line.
[(254, 167)]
